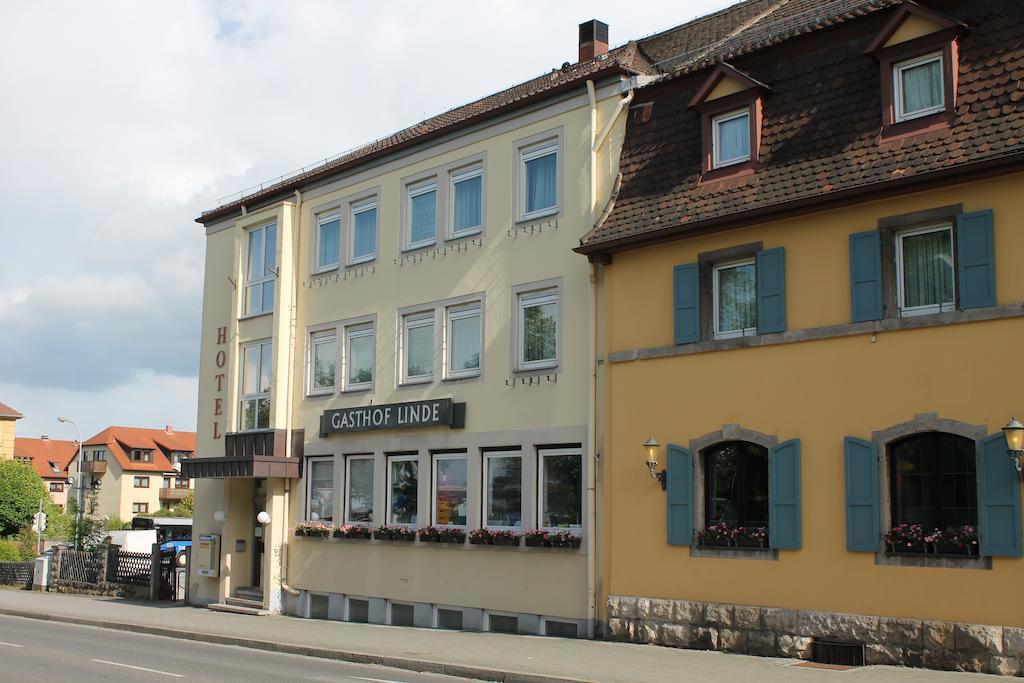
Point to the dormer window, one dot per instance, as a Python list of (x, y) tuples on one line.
[(731, 138), (918, 87), (729, 103)]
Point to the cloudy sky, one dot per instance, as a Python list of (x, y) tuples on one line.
[(121, 121)]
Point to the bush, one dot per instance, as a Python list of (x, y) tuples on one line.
[(115, 523), (9, 551), (21, 489)]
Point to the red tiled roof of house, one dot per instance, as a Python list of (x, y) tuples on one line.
[(42, 452), (121, 440), (9, 412), (817, 147)]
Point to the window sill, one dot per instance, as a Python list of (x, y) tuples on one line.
[(940, 561), (357, 390), (321, 394), (361, 262), (1001, 312), (412, 248), (537, 369), (465, 234), (538, 215), (416, 382), (324, 271), (734, 553), (460, 378), (253, 316)]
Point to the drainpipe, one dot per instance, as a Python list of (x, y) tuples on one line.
[(292, 321), (597, 139)]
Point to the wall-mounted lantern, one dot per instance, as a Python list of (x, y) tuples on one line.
[(263, 517), (1014, 432), (220, 517), (651, 447)]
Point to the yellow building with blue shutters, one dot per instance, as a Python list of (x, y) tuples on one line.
[(809, 313)]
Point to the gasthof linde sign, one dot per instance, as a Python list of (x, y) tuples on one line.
[(441, 412)]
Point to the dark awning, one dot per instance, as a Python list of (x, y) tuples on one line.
[(250, 455)]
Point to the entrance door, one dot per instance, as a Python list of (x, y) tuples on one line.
[(259, 505)]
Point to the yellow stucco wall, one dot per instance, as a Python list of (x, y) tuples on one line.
[(7, 429), (816, 391)]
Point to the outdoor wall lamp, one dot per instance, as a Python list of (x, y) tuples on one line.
[(1014, 433), (651, 446), (219, 516), (263, 517)]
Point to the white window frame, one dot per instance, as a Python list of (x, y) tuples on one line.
[(317, 337), (542, 455), (387, 493), (415, 320), (258, 281), (435, 459), (716, 121), (415, 190), (309, 482), (322, 219), (485, 497), (731, 334), (537, 297), (930, 309), (455, 312), (356, 331), (348, 483), (897, 88), (356, 208), (458, 176), (530, 152), (243, 397)]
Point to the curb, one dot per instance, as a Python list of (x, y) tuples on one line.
[(418, 665)]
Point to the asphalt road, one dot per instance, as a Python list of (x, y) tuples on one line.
[(42, 651)]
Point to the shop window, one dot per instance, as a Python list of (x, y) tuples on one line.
[(933, 482), (260, 269), (561, 488), (736, 485), (503, 490), (320, 494), (403, 489), (323, 351), (359, 489), (255, 403), (450, 490)]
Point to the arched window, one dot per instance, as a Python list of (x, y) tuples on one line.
[(736, 484), (932, 479)]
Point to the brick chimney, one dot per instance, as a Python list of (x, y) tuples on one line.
[(169, 429), (593, 39)]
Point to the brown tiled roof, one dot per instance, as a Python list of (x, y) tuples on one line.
[(42, 452), (9, 412), (820, 133), (121, 440)]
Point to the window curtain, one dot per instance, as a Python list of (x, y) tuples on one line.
[(466, 343), (922, 87), (328, 251), (364, 238), (404, 494), (468, 205), (321, 499), (734, 138), (927, 269), (422, 221), (737, 298), (541, 182)]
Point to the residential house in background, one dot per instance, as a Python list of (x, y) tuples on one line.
[(8, 419), (50, 459), (809, 297), (136, 471)]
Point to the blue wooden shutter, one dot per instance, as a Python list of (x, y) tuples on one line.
[(861, 495), (686, 288), (998, 499), (784, 527), (865, 276), (976, 261), (771, 290), (680, 495)]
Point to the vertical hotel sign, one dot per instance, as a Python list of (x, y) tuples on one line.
[(221, 360)]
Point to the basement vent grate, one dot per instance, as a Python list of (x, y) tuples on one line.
[(837, 652)]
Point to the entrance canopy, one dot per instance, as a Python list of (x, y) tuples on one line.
[(248, 455)]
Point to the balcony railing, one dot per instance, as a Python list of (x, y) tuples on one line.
[(173, 493), (94, 466)]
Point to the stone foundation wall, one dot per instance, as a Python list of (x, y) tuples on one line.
[(774, 632)]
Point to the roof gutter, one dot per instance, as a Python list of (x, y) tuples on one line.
[(234, 208), (831, 200)]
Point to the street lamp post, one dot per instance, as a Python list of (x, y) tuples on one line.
[(81, 490)]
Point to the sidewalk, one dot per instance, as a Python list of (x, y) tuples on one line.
[(485, 656)]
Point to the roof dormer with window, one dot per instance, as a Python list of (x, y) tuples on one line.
[(918, 54), (729, 103)]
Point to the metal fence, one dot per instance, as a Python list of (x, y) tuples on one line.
[(130, 568), (16, 574), (79, 565)]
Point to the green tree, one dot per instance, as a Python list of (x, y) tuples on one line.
[(187, 504), (21, 489)]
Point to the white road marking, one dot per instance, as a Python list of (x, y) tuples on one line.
[(375, 680), (139, 668), (10, 644)]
